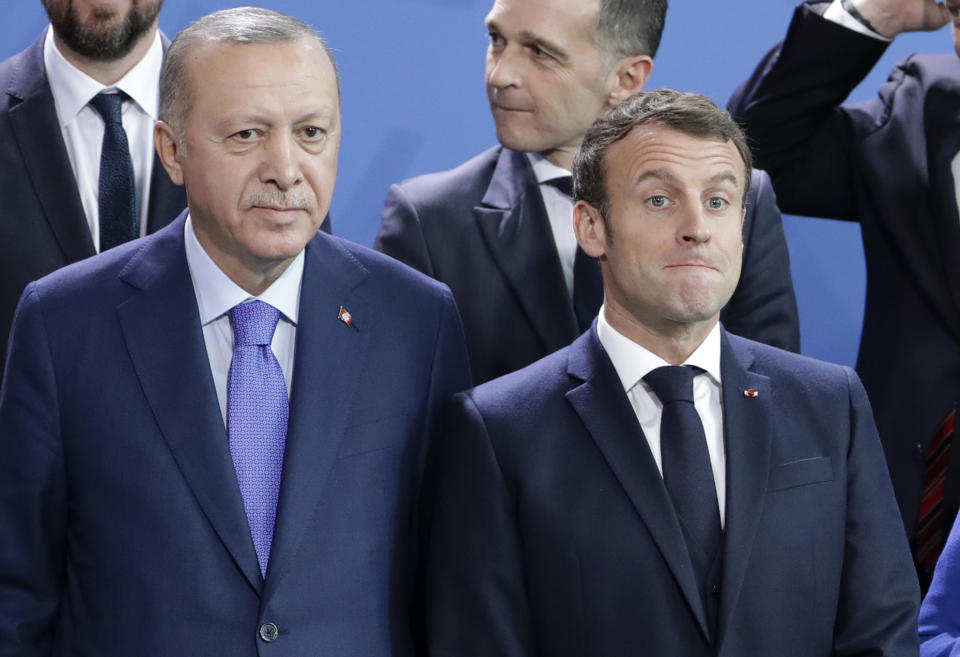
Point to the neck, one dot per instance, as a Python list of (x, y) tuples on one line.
[(108, 72), (561, 157), (671, 341)]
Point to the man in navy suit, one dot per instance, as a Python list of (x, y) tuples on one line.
[(214, 436), (890, 164), (498, 229), (50, 138), (584, 508)]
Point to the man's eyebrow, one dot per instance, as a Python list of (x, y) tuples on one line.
[(531, 38), (659, 174), (725, 176)]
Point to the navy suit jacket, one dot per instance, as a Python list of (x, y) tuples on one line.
[(42, 223), (123, 528), (483, 230), (554, 533), (886, 164)]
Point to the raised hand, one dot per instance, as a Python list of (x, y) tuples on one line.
[(891, 17)]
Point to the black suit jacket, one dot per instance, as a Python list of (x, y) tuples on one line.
[(886, 164), (554, 534), (42, 223), (483, 230)]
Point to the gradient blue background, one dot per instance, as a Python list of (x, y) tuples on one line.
[(414, 102)]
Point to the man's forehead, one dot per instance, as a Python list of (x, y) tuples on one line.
[(658, 148), (546, 14)]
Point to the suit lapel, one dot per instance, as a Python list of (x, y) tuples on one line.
[(748, 435), (330, 358), (36, 129), (161, 327), (514, 223), (605, 410)]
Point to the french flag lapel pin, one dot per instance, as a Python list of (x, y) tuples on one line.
[(345, 317)]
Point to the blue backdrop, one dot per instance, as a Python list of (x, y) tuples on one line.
[(414, 101)]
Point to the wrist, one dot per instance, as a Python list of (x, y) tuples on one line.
[(873, 21)]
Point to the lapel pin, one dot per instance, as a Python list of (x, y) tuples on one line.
[(345, 317), (750, 392)]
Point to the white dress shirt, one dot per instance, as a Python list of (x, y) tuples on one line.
[(217, 294), (560, 211), (82, 127), (633, 362)]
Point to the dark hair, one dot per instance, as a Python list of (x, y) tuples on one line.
[(689, 113), (630, 27), (241, 25)]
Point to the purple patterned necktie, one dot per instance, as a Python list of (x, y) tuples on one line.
[(257, 412)]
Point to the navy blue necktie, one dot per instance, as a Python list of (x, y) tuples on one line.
[(687, 473), (587, 279), (116, 200)]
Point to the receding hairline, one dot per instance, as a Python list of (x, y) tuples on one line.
[(229, 27)]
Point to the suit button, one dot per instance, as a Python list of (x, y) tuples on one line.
[(715, 590), (269, 632)]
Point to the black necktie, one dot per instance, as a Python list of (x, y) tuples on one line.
[(587, 278), (117, 199), (686, 464)]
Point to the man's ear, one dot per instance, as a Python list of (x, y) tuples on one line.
[(169, 150), (628, 77), (590, 229)]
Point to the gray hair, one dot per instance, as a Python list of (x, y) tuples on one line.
[(689, 113), (238, 26), (630, 27)]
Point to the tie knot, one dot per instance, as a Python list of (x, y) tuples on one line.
[(672, 383), (109, 106), (253, 323), (563, 183)]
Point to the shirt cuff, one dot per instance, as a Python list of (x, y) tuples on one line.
[(835, 13)]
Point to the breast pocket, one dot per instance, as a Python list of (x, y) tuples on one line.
[(802, 472)]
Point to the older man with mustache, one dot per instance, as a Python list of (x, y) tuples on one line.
[(212, 438)]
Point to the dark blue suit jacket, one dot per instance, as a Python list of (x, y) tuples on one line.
[(554, 534), (123, 528), (42, 223), (886, 164), (483, 230)]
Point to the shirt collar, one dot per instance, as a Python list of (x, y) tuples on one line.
[(633, 362), (544, 169), (217, 293), (73, 89)]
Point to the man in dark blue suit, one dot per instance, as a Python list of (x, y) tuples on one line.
[(892, 165), (214, 436), (661, 486), (498, 229), (49, 141)]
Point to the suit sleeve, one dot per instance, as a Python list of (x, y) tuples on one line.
[(879, 592), (940, 612), (33, 491), (764, 305), (791, 111), (477, 603), (401, 235)]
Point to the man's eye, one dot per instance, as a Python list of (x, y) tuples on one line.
[(245, 135), (495, 38), (313, 133), (657, 201), (717, 203)]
